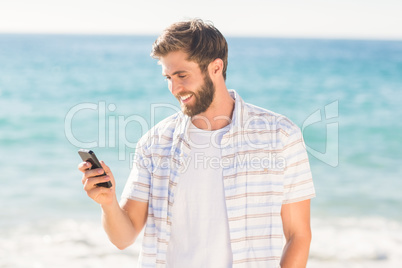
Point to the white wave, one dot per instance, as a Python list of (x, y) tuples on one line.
[(356, 242), (340, 242), (66, 244)]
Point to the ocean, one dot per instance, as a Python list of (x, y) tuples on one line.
[(59, 93)]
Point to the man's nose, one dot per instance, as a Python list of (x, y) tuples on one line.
[(175, 86)]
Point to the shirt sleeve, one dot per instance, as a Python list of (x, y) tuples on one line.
[(298, 182), (139, 181)]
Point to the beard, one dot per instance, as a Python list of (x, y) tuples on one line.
[(203, 98)]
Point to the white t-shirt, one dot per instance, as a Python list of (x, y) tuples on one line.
[(200, 230)]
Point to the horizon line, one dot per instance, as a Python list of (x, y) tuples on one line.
[(285, 36)]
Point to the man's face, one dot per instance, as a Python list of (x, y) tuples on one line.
[(194, 90)]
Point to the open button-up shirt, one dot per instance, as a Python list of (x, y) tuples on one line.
[(264, 165)]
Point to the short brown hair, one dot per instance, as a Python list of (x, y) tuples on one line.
[(202, 42)]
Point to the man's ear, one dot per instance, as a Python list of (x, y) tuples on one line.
[(216, 68)]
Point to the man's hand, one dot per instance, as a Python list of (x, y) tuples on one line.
[(101, 195), (122, 224)]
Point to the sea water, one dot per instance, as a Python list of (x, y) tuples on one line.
[(59, 93)]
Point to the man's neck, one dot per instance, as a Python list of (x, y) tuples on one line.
[(219, 114)]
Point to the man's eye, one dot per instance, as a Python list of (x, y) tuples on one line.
[(167, 78), (182, 76)]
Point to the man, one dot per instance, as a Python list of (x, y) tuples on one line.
[(218, 184)]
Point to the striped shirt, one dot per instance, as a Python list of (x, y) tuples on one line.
[(264, 165)]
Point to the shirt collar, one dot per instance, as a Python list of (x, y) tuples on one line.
[(237, 118)]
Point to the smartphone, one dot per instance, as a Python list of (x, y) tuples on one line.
[(89, 156)]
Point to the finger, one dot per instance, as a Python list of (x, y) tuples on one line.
[(91, 183), (94, 172), (105, 167), (83, 166), (108, 172), (90, 174)]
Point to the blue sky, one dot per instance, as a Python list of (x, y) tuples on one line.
[(368, 19)]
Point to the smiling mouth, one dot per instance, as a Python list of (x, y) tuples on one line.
[(185, 98)]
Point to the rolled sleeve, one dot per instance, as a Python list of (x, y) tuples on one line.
[(139, 181), (298, 182)]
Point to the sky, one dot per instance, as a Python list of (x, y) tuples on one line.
[(350, 19)]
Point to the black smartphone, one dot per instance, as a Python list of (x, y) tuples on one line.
[(89, 156)]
